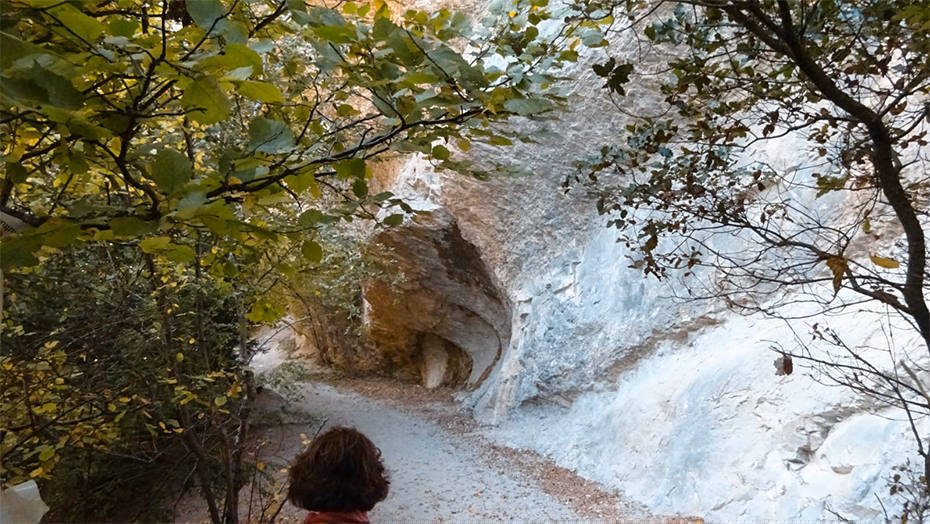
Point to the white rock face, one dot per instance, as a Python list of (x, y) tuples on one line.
[(676, 404)]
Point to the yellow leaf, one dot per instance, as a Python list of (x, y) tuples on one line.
[(888, 263), (837, 266), (219, 401), (512, 14), (36, 472), (234, 390), (179, 357), (191, 341), (111, 407)]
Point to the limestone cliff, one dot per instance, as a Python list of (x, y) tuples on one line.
[(518, 294)]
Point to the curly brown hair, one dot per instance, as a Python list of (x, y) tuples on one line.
[(340, 471)]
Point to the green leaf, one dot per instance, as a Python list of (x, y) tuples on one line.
[(83, 26), (592, 38), (335, 34), (650, 32), (346, 110), (180, 254), (77, 162), (440, 153), (43, 86), (394, 220), (207, 100), (310, 217), (404, 48), (325, 16), (121, 26), (170, 170), (528, 106), (154, 244), (263, 311), (59, 233), (351, 168), (47, 453), (302, 181), (18, 251), (205, 12), (233, 32), (16, 173), (15, 50), (360, 187), (261, 91), (163, 246), (132, 227), (234, 57), (312, 251), (298, 11), (270, 136)]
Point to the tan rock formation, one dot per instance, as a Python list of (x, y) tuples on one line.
[(445, 323)]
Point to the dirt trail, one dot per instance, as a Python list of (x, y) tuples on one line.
[(441, 469)]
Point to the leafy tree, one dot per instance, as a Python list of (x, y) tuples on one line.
[(116, 370), (171, 166), (124, 117), (850, 81)]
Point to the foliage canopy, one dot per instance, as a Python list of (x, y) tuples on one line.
[(171, 166), (124, 119)]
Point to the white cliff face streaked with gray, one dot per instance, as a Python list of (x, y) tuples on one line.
[(676, 404)]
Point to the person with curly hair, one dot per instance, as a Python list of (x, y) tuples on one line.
[(339, 478)]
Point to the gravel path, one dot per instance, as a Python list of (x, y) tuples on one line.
[(435, 476), (442, 469), (441, 466)]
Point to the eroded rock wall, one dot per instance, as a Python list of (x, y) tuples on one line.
[(445, 322), (571, 353)]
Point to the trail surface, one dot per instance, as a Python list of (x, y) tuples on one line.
[(434, 477), (441, 469), (441, 466)]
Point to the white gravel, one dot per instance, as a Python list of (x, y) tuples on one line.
[(435, 477)]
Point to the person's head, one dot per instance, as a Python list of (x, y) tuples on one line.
[(340, 471)]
